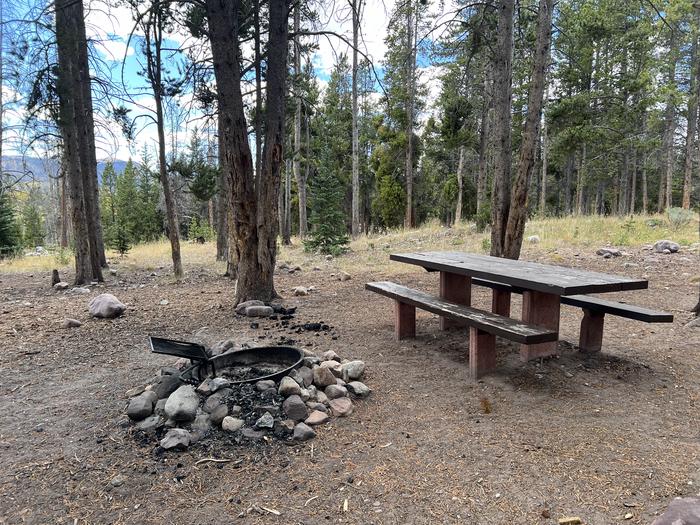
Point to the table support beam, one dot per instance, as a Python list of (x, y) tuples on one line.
[(542, 309), (404, 320), (482, 353), (500, 302), (456, 289), (591, 338)]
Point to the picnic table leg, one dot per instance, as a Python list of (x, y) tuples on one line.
[(541, 309), (456, 289), (404, 320), (482, 353), (591, 337), (500, 302)]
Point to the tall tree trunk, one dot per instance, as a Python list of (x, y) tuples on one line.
[(645, 189), (483, 143), (411, 25), (545, 166), (356, 7), (460, 184), (666, 182), (517, 216), (258, 90), (692, 120), (64, 205), (222, 233), (298, 174), (502, 98), (254, 202), (68, 77), (632, 205), (581, 180)]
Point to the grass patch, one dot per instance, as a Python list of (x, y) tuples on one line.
[(371, 252)]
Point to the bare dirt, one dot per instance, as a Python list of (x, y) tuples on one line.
[(599, 437)]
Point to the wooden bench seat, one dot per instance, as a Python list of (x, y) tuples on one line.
[(594, 310), (483, 325)]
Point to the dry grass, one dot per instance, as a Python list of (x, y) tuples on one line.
[(371, 252)]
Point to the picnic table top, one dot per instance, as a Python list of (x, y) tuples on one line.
[(524, 274)]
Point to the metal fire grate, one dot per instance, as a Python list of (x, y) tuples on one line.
[(192, 351)]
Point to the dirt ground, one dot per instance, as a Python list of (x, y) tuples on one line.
[(598, 437)]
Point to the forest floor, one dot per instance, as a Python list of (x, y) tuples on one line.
[(601, 437)]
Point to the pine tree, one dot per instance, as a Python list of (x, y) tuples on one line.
[(10, 238), (329, 230)]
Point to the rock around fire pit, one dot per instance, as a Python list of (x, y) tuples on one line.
[(178, 411)]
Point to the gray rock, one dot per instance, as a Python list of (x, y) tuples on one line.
[(182, 404), (334, 366), (141, 406), (681, 511), (265, 421), (303, 432), (150, 424), (166, 385), (310, 361), (306, 375), (295, 408), (112, 271), (253, 434), (330, 355), (660, 246), (160, 407), (317, 417), (340, 382), (241, 307), (608, 252), (358, 388), (304, 394), (222, 347), (321, 397), (232, 424), (80, 290), (61, 285), (695, 323), (71, 323), (335, 391), (259, 311), (341, 407), (176, 438), (314, 405), (288, 387), (135, 391), (106, 306), (311, 389), (265, 384), (344, 276), (353, 370), (204, 387), (323, 377), (217, 415), (202, 423), (300, 291), (533, 239), (218, 383)]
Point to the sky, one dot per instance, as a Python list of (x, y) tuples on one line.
[(111, 29)]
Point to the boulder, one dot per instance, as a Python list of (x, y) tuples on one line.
[(336, 391), (232, 424), (295, 408), (681, 511), (314, 405), (662, 245), (71, 323), (288, 387), (216, 399), (176, 438), (306, 375), (241, 307), (218, 383), (353, 370), (358, 388), (317, 417), (608, 252), (259, 311), (334, 366), (202, 423), (330, 355), (323, 377), (265, 384), (150, 424), (300, 291), (106, 306), (61, 285), (341, 407), (217, 415), (166, 385), (182, 404), (141, 406), (303, 432)]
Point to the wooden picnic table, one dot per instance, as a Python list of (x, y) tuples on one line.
[(542, 286)]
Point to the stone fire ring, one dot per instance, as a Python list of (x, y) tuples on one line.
[(286, 357)]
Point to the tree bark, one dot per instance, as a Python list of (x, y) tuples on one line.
[(223, 199), (411, 21), (355, 229), (581, 180), (545, 167), (517, 216), (460, 184), (692, 122), (254, 219), (502, 98), (666, 182), (298, 174), (483, 144)]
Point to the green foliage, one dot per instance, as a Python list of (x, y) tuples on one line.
[(33, 228), (198, 228), (10, 235), (329, 231), (120, 242), (679, 217), (483, 218)]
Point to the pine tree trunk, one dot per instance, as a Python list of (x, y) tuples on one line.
[(581, 181), (515, 227), (692, 122), (298, 175), (356, 6), (502, 98), (222, 234), (411, 20), (544, 168), (633, 190), (460, 184), (645, 190), (483, 145), (666, 183)]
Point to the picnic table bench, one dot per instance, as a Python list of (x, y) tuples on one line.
[(543, 287)]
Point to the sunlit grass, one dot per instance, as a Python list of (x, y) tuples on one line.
[(371, 252)]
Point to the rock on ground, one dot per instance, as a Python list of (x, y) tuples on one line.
[(106, 306), (241, 308), (301, 291), (295, 408), (182, 404), (341, 407), (608, 252), (217, 415), (288, 387), (336, 391), (166, 385), (259, 311), (344, 276), (265, 384), (662, 245), (71, 323), (61, 285), (176, 438), (141, 406), (681, 511), (533, 239), (303, 432), (358, 388), (232, 424), (317, 417), (265, 421), (353, 370), (323, 377)]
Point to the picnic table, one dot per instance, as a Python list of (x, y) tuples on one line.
[(544, 287)]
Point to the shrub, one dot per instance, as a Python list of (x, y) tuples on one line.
[(679, 217)]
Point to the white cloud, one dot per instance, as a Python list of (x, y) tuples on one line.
[(114, 49)]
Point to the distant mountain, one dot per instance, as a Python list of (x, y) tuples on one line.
[(41, 169)]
